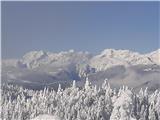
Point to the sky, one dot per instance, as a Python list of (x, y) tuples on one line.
[(82, 26)]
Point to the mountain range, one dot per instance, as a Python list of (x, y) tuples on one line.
[(37, 69)]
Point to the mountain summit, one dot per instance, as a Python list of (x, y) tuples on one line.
[(106, 59), (111, 57), (120, 67)]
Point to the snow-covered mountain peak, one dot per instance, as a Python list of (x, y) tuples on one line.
[(71, 51), (37, 66), (155, 56), (111, 57), (106, 59), (35, 59), (118, 53), (157, 52), (35, 55)]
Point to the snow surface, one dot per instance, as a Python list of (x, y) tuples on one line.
[(39, 68), (110, 57), (87, 103), (107, 58), (35, 59), (46, 117), (155, 56)]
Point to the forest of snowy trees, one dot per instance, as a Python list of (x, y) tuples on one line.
[(73, 103)]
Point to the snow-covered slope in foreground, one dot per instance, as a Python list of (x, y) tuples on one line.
[(46, 117)]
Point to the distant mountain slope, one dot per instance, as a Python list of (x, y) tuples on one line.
[(155, 56), (137, 76), (38, 68), (110, 57)]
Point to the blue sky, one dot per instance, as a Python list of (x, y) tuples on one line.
[(82, 26)]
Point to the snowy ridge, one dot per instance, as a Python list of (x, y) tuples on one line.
[(37, 69), (106, 59), (155, 56), (111, 57), (35, 59)]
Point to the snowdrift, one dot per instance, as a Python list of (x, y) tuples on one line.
[(46, 117)]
